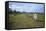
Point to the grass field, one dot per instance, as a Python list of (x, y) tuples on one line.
[(25, 21)]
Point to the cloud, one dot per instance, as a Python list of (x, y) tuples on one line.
[(27, 7)]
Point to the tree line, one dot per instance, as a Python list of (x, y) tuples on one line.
[(10, 11)]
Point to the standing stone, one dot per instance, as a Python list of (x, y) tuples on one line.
[(35, 16)]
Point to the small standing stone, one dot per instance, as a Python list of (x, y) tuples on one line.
[(35, 17)]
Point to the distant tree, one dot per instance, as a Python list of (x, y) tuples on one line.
[(14, 11), (18, 11), (10, 11), (24, 12)]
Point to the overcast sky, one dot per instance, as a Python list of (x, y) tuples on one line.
[(26, 7)]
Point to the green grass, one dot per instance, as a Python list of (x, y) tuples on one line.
[(25, 21)]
